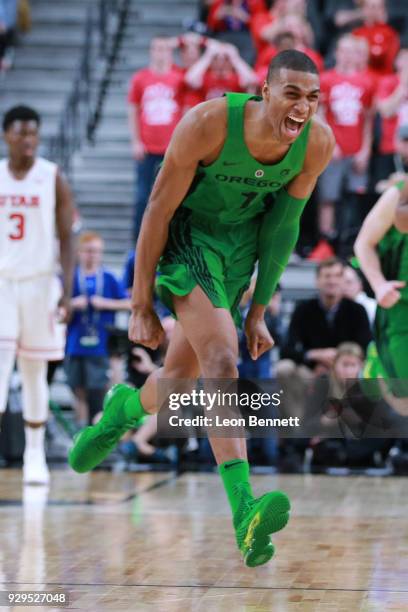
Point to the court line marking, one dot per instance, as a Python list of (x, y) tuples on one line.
[(92, 502)]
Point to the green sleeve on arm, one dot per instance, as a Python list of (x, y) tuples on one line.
[(277, 238)]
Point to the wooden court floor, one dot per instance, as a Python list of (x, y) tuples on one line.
[(154, 541)]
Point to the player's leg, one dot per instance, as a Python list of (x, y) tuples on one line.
[(35, 412), (126, 408), (9, 330), (41, 339), (212, 334), (7, 358)]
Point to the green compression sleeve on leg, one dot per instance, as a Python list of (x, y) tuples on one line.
[(235, 472), (277, 238)]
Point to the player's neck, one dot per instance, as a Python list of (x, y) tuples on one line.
[(265, 142), (20, 166)]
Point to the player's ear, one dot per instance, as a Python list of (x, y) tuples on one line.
[(265, 91)]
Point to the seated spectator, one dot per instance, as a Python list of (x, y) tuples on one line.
[(292, 35), (97, 294), (220, 69), (8, 23), (352, 415), (154, 111), (383, 39), (320, 324), (353, 290), (391, 99), (228, 21), (346, 102)]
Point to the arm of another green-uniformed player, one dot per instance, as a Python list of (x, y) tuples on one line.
[(377, 223), (280, 226)]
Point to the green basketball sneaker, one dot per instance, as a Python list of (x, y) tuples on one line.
[(93, 444), (255, 520)]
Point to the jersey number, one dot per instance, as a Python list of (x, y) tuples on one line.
[(19, 226)]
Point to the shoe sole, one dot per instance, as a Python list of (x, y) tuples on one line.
[(271, 516)]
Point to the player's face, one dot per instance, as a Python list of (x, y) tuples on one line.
[(22, 138), (291, 99), (330, 281), (347, 367)]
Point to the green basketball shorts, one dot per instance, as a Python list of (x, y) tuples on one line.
[(219, 258)]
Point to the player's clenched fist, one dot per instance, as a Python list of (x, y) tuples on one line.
[(387, 294), (258, 337), (145, 328)]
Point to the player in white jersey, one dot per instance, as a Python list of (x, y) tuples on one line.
[(35, 208)]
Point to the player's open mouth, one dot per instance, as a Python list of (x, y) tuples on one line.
[(293, 124)]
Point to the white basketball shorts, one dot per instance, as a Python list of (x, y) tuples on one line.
[(28, 317)]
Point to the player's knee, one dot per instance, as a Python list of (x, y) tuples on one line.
[(181, 370), (219, 362)]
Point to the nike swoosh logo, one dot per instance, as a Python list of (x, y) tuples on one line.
[(231, 163), (230, 465)]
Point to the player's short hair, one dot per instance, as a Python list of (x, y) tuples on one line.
[(20, 113), (291, 59), (329, 263), (89, 237)]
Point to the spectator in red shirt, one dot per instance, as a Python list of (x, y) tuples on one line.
[(229, 20), (220, 69), (154, 110), (297, 29), (391, 99), (267, 25), (346, 101), (190, 46), (382, 38)]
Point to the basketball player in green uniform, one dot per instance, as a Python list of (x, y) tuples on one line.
[(382, 251), (235, 179)]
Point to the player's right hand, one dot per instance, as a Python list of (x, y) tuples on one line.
[(387, 294), (145, 328)]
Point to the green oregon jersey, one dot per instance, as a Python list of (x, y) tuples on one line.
[(236, 187), (393, 253)]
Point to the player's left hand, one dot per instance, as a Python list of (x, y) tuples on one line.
[(258, 337)]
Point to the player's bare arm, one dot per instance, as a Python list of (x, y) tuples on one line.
[(64, 220), (401, 214), (198, 138), (375, 226), (319, 153)]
